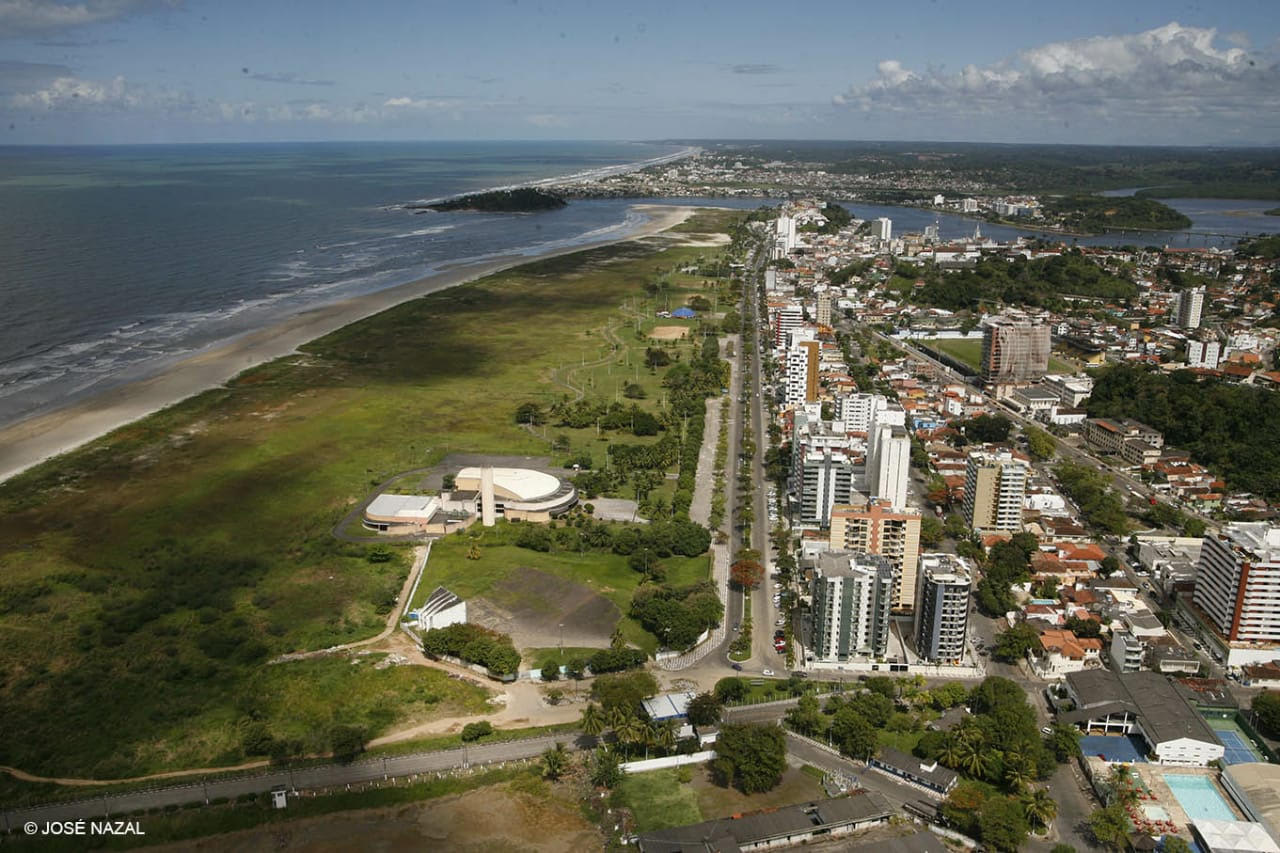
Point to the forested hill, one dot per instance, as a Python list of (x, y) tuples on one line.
[(523, 200), (1229, 428), (1098, 213), (1040, 282)]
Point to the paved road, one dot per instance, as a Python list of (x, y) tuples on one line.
[(321, 776)]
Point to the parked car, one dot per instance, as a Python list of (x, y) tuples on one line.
[(766, 672), (736, 666), (1046, 731)]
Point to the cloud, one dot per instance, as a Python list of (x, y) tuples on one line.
[(290, 77), (74, 43), (22, 18), (18, 76), (755, 68), (1172, 72)]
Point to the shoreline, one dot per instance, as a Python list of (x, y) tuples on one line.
[(38, 438)]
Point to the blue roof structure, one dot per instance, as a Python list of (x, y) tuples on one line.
[(684, 313)]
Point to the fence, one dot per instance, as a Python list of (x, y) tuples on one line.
[(647, 764)]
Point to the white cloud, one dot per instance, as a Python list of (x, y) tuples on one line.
[(1170, 72), (20, 18)]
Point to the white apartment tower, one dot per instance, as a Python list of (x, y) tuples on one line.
[(825, 479), (888, 464), (852, 599), (857, 411), (1190, 305), (1204, 353), (802, 373), (1238, 588), (882, 229), (994, 487), (786, 319), (942, 608)]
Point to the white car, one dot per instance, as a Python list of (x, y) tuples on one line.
[(766, 672)]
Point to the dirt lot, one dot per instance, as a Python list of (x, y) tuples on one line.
[(531, 605), (481, 821), (669, 333)]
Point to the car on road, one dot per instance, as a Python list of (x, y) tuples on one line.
[(736, 666), (766, 672), (1046, 731)]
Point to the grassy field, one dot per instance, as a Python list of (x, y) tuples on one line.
[(149, 575), (970, 352), (658, 799)]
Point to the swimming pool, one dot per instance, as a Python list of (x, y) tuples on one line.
[(1198, 797)]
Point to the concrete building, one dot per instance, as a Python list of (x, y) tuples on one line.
[(1060, 652), (1110, 434), (786, 318), (1071, 390), (968, 205), (1255, 786), (825, 298), (942, 608), (874, 527), (771, 829), (888, 463), (802, 372), (929, 775), (852, 599), (824, 479), (1014, 352), (995, 485), (517, 494), (1204, 353), (401, 513), (1232, 836), (1127, 651), (1238, 589), (1146, 704), (882, 229), (441, 609), (858, 411), (1190, 306)]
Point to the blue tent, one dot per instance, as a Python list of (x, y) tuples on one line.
[(684, 313)]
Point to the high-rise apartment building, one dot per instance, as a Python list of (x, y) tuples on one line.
[(1238, 588), (857, 411), (802, 372), (875, 527), (824, 308), (942, 608), (1014, 351), (1204, 353), (786, 318), (995, 485), (888, 464), (1190, 306), (852, 599), (824, 478), (882, 229)]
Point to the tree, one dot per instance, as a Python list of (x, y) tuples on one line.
[(1110, 827), (961, 806), (550, 668), (883, 685), (807, 717), (1040, 444), (1064, 742), (1002, 823), (853, 734), (632, 391), (1174, 844), (1040, 808), (1061, 847), (1013, 644), (606, 768), (746, 574), (1266, 709), (987, 429), (592, 722), (346, 742), (931, 531), (656, 357), (475, 731), (704, 710), (1018, 770), (948, 695), (624, 690), (1109, 566), (555, 761), (530, 413), (751, 758), (730, 689)]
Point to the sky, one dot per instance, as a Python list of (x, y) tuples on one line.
[(155, 71)]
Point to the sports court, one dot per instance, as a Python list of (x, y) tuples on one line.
[(1239, 750), (1114, 748)]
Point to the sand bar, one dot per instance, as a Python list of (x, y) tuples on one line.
[(33, 440)]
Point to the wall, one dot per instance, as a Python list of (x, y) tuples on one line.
[(669, 761)]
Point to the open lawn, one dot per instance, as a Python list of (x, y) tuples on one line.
[(969, 351), (658, 799), (148, 576)]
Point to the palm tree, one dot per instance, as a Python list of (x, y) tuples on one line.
[(972, 759), (632, 731), (664, 734), (555, 761), (617, 717), (951, 752), (1040, 807), (593, 722), (1017, 770)]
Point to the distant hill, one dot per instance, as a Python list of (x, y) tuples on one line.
[(1097, 214), (524, 200)]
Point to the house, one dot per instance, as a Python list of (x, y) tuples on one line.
[(1262, 674), (930, 776), (783, 827), (1060, 652), (668, 706), (441, 609)]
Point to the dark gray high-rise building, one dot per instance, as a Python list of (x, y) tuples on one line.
[(852, 601), (942, 608)]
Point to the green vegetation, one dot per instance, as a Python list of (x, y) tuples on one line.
[(751, 758), (1266, 710), (474, 644), (149, 575), (1275, 211), (1110, 827), (1096, 214), (1005, 564), (1260, 247), (659, 800), (1220, 424), (1040, 444), (522, 200), (1042, 282), (677, 615), (1101, 506), (1013, 644)]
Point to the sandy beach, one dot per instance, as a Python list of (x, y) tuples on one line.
[(35, 439)]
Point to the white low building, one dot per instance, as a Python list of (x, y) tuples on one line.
[(441, 609)]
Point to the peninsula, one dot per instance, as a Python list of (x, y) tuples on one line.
[(522, 200)]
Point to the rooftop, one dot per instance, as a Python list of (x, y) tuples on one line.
[(934, 772), (1234, 836), (1164, 713), (1260, 782)]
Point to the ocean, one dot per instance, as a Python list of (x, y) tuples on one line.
[(116, 260)]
